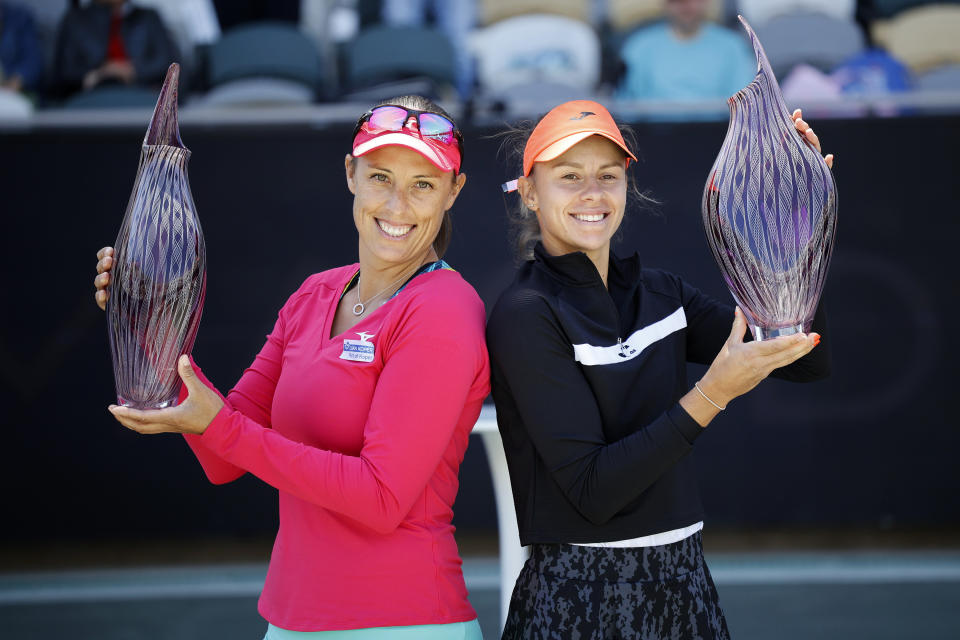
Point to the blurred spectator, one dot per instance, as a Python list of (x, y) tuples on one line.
[(112, 42), (627, 14), (21, 60), (685, 58), (454, 17), (872, 72)]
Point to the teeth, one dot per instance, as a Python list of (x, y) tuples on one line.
[(589, 217), (394, 230)]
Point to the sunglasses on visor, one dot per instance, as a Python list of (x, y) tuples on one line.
[(390, 117)]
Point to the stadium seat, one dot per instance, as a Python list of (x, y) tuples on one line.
[(258, 92), (817, 39), (113, 97), (923, 38), (538, 50), (272, 62), (945, 78), (383, 54), (759, 11), (890, 8)]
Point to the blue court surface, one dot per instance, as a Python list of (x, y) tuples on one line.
[(824, 595)]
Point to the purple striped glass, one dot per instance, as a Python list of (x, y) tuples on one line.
[(770, 210), (159, 274)]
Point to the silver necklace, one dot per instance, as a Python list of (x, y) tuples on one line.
[(360, 307)]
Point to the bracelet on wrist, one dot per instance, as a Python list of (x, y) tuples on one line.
[(696, 385)]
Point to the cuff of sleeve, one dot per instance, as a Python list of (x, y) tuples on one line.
[(215, 432), (687, 426)]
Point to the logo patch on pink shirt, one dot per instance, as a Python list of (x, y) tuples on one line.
[(361, 350)]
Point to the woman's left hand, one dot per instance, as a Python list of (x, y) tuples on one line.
[(807, 132), (191, 416)]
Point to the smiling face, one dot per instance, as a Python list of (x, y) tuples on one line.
[(399, 202), (579, 198)]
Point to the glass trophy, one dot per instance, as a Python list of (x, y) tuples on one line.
[(159, 275), (770, 210)]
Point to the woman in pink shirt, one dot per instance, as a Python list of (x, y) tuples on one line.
[(360, 404)]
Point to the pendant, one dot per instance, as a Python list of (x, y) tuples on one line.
[(358, 309)]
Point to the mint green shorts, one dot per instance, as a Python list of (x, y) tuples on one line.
[(454, 631)]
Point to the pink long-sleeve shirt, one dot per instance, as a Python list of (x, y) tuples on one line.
[(364, 453)]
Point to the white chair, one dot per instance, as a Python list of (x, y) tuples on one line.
[(512, 555), (528, 51)]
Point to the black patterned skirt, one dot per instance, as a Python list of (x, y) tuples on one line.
[(568, 592)]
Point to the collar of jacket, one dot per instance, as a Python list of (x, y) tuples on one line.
[(576, 269)]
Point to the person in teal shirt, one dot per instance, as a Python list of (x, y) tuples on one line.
[(686, 57)]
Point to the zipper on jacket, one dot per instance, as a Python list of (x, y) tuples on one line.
[(620, 344)]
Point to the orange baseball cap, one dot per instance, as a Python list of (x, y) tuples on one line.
[(565, 126)]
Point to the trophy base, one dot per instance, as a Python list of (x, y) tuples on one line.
[(134, 404), (763, 333)]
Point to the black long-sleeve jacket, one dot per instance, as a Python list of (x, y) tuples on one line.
[(587, 381), (84, 36)]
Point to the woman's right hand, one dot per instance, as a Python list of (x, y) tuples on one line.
[(102, 281), (740, 366)]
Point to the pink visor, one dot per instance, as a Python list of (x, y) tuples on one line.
[(442, 151)]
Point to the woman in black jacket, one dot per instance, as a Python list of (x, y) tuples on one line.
[(589, 356)]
